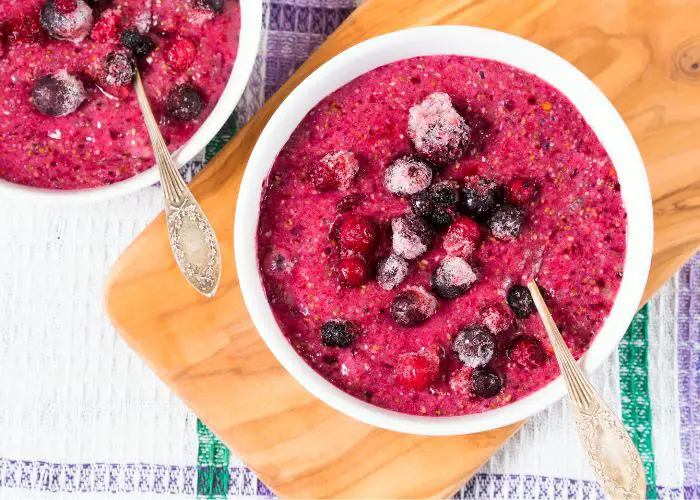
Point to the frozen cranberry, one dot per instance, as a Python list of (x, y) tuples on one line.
[(349, 202), (474, 345), (462, 237), (452, 277), (357, 233), (485, 382), (180, 54), (413, 306), (67, 19), (520, 191), (479, 196), (417, 370), (106, 28), (520, 301), (407, 175), (391, 272), (506, 222), (527, 352), (410, 236), (24, 30), (185, 103), (438, 132), (496, 317), (336, 170), (216, 6), (352, 271), (140, 45), (461, 381), (119, 69), (337, 333), (59, 94)]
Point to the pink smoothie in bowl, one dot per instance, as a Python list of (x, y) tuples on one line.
[(406, 213), (69, 117)]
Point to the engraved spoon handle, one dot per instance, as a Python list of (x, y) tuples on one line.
[(191, 236), (608, 446)]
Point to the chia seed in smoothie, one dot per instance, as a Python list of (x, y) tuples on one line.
[(403, 217)]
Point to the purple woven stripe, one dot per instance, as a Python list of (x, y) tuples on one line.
[(689, 371)]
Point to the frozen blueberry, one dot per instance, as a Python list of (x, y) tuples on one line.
[(438, 217), (391, 272), (185, 103), (505, 222), (337, 333), (139, 45), (485, 382), (407, 175), (452, 277), (216, 6), (474, 345), (438, 132), (444, 194), (99, 4), (119, 69), (421, 204), (59, 94), (67, 22), (479, 196), (413, 306), (520, 301), (410, 236)]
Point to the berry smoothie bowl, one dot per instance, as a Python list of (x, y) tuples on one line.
[(402, 196), (70, 126)]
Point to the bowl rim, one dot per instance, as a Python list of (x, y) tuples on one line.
[(249, 43), (600, 114)]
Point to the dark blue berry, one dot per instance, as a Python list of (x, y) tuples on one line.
[(216, 6), (474, 345), (520, 301), (452, 277), (444, 194), (436, 216), (337, 333), (421, 204), (485, 382), (185, 103), (479, 196), (505, 222), (58, 95), (139, 45), (119, 69), (412, 307)]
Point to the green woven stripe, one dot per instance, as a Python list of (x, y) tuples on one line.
[(634, 388), (213, 455)]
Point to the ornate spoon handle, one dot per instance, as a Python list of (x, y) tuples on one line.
[(192, 238), (610, 450)]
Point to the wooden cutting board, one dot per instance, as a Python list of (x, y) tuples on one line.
[(644, 55)]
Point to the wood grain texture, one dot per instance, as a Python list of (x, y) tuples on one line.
[(644, 55)]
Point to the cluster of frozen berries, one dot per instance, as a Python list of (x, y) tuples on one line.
[(60, 93), (440, 136)]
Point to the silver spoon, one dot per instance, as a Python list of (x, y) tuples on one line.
[(192, 237), (610, 450)]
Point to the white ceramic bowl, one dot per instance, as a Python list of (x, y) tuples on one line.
[(249, 40), (467, 41)]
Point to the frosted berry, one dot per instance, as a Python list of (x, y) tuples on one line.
[(496, 317), (438, 217), (461, 381), (474, 345), (410, 236), (407, 175), (452, 277), (337, 333), (444, 194), (67, 19), (486, 383), (59, 94), (439, 133), (24, 30), (185, 103), (357, 233), (106, 29), (216, 6), (413, 306), (506, 222), (479, 196), (336, 170), (119, 69), (527, 352), (520, 301), (391, 272), (417, 370), (180, 54), (139, 45), (520, 191), (462, 237), (352, 271)]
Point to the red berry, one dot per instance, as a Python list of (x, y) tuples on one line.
[(352, 272), (417, 370), (106, 28), (527, 352), (66, 6), (357, 233), (461, 380), (180, 54), (26, 29), (496, 317), (462, 237), (334, 171), (520, 190)]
